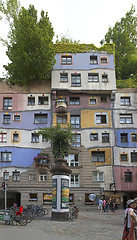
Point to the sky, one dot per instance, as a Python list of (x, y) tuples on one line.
[(87, 21)]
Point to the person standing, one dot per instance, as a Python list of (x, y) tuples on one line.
[(104, 205), (100, 204)]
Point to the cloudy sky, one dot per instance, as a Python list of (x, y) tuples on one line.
[(87, 20)]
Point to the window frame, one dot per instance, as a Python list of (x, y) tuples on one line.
[(61, 119), (97, 156), (8, 105), (124, 155), (34, 137), (76, 182), (2, 138), (18, 117), (75, 79), (103, 59), (33, 197), (6, 118), (133, 157), (93, 77), (6, 176), (133, 139), (124, 137), (100, 120), (44, 177), (75, 117), (66, 62), (15, 138), (76, 142), (95, 136), (41, 100), (104, 79), (126, 117), (64, 77), (125, 103), (98, 177), (93, 60), (72, 160), (128, 176), (31, 101), (8, 156), (75, 102), (16, 176), (41, 120), (105, 139)]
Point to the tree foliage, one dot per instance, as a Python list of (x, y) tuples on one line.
[(59, 138), (64, 38), (30, 46), (124, 36)]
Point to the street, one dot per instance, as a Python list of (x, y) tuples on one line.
[(91, 224)]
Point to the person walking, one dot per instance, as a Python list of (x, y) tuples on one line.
[(131, 220), (104, 205)]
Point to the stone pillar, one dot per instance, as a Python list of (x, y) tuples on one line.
[(60, 190)]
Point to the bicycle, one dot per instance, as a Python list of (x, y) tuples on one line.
[(73, 213)]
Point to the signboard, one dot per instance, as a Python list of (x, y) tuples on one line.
[(54, 193), (64, 193), (47, 198)]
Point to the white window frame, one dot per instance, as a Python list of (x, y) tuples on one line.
[(5, 176), (34, 138), (43, 177), (92, 101), (16, 176), (76, 180), (98, 176), (43, 100), (125, 101), (98, 121), (124, 118), (72, 160)]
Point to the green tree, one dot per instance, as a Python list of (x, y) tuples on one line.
[(59, 138), (124, 36), (30, 47), (64, 38)]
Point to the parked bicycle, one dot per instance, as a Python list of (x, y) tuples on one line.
[(37, 211), (73, 213)]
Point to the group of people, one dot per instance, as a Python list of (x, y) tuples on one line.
[(130, 228), (106, 205)]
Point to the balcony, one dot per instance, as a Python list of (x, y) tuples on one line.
[(61, 105)]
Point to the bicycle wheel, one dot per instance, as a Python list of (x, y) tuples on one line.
[(23, 221), (46, 211), (41, 213)]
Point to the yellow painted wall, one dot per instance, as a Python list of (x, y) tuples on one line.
[(88, 118), (108, 156), (55, 119)]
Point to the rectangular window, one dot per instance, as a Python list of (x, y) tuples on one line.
[(6, 118), (104, 78), (31, 100), (33, 197), (124, 137), (15, 137), (93, 60), (43, 177), (101, 118), (62, 119), (7, 103), (43, 138), (6, 176), (93, 136), (32, 177), (125, 101), (98, 156), (133, 156), (128, 176), (72, 160), (93, 77), (3, 137), (43, 100), (126, 118), (16, 177), (35, 138), (75, 121), (103, 99), (75, 80), (74, 180), (93, 101), (76, 142), (6, 156), (41, 118), (134, 137), (16, 118), (63, 77), (98, 176), (105, 137), (66, 60), (104, 60), (74, 101), (123, 157)]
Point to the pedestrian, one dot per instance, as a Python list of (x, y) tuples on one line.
[(130, 220), (107, 205), (104, 205), (100, 204), (113, 207)]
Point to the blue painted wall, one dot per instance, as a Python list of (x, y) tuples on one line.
[(130, 143)]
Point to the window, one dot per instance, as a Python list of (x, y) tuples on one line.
[(41, 118), (75, 121), (31, 100), (35, 138), (76, 142), (133, 156), (101, 118), (134, 137), (93, 60), (124, 137), (16, 176), (98, 176), (104, 59), (43, 100), (125, 101), (6, 176), (92, 101), (123, 157), (16, 118), (104, 78), (6, 156), (6, 118), (63, 77), (33, 197), (126, 118), (66, 60), (47, 199), (105, 137), (43, 138), (7, 103), (93, 136), (74, 101), (62, 119), (103, 99), (98, 156), (74, 180), (93, 77), (128, 176), (72, 160), (75, 80), (15, 137), (3, 137), (32, 177), (43, 177)]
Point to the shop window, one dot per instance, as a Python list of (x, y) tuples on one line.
[(16, 176), (133, 156), (98, 156), (128, 176), (43, 100), (66, 60), (63, 77), (93, 60), (6, 156), (41, 118), (31, 101), (124, 137), (74, 101), (33, 197), (94, 136), (47, 198), (123, 157), (72, 160), (3, 137), (7, 103)]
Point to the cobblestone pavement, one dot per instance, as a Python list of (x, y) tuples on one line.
[(90, 225)]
